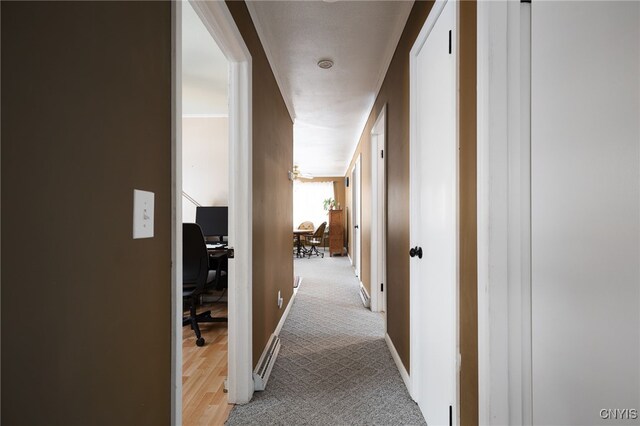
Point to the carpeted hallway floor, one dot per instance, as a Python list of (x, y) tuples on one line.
[(334, 367)]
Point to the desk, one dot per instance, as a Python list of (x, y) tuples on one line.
[(297, 234), (219, 254), (218, 261)]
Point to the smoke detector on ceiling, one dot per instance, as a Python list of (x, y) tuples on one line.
[(325, 64)]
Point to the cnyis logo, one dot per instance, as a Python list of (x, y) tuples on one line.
[(619, 413)]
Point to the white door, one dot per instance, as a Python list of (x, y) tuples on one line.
[(434, 218), (585, 211), (355, 178)]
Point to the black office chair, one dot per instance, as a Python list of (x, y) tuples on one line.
[(197, 277)]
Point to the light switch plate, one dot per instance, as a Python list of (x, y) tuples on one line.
[(143, 214)]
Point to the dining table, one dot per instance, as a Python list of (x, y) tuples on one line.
[(298, 234)]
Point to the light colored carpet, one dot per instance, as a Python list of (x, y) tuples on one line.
[(334, 367)]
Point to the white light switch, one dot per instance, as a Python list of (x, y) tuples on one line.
[(143, 214)]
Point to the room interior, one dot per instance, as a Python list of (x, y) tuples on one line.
[(205, 199), (314, 198)]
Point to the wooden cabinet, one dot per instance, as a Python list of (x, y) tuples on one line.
[(336, 232)]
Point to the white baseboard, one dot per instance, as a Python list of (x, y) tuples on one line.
[(262, 372), (403, 371), (265, 364), (364, 295), (286, 311)]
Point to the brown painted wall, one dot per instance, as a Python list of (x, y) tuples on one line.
[(272, 189), (468, 215), (395, 93), (86, 118)]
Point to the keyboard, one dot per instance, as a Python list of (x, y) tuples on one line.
[(216, 246)]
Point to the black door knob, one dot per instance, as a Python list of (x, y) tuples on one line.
[(356, 227), (416, 251)]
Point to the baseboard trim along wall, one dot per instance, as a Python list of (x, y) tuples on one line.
[(403, 371), (265, 363), (364, 295), (286, 311), (268, 358)]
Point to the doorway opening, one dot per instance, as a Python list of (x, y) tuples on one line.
[(205, 203), (198, 177), (379, 215)]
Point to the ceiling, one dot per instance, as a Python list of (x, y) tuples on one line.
[(205, 76), (329, 107)]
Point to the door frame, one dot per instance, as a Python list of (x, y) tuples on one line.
[(414, 305), (504, 213), (220, 23), (378, 214), (356, 216)]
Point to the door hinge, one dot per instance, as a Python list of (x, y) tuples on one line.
[(450, 42), (381, 286), (382, 153)]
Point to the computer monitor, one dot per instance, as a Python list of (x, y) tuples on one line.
[(214, 221)]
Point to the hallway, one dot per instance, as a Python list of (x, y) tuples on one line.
[(334, 366)]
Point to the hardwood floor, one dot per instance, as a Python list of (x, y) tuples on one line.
[(204, 370)]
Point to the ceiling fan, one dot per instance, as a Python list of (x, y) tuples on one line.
[(296, 174)]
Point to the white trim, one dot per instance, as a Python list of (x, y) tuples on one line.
[(274, 335), (240, 202), (284, 316), (366, 301), (378, 214), (260, 382), (504, 238), (356, 199), (401, 368), (176, 214), (222, 26), (219, 22), (270, 57), (205, 115)]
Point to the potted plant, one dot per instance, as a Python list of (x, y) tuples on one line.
[(329, 204)]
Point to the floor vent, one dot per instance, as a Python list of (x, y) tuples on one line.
[(365, 297), (265, 364)]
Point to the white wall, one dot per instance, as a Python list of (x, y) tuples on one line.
[(585, 210), (205, 163)]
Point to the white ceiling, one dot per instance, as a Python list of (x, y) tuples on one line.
[(329, 107), (205, 76)]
